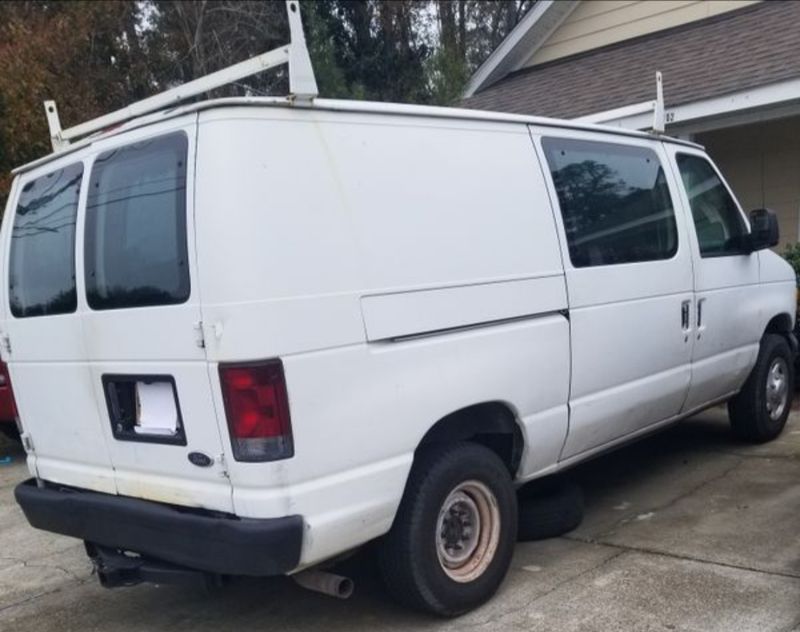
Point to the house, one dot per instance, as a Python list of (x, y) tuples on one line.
[(731, 77)]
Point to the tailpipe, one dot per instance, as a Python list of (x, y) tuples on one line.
[(326, 583)]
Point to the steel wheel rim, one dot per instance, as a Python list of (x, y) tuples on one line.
[(777, 388), (467, 531)]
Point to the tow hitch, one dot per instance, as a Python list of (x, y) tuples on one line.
[(117, 568)]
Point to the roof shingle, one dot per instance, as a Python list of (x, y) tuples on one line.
[(747, 48)]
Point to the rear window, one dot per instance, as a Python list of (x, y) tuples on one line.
[(135, 250), (42, 265), (614, 200)]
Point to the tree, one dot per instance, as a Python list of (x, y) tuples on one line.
[(84, 54), (191, 39), (376, 50), (95, 57), (469, 30)]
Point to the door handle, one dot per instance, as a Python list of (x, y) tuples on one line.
[(685, 315), (700, 325)]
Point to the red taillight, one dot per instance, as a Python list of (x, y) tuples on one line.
[(257, 409), (8, 407)]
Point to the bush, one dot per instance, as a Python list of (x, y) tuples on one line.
[(792, 254)]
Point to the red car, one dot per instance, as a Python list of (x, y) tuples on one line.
[(8, 408)]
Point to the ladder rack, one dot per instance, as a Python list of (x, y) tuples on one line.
[(302, 86), (656, 107)]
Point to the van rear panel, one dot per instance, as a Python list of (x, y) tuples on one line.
[(103, 322), (48, 368)]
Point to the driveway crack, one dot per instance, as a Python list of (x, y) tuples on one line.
[(507, 613), (687, 558)]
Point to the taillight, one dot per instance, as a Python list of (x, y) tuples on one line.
[(8, 407), (257, 409)]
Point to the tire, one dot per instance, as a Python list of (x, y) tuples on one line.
[(549, 510), (419, 569), (11, 431), (759, 412)]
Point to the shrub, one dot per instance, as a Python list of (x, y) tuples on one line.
[(792, 254)]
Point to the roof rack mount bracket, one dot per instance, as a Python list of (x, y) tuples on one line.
[(302, 83), (659, 118), (656, 106), (302, 86), (54, 124)]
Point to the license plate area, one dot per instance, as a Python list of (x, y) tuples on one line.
[(144, 408)]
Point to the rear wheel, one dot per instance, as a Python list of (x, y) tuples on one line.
[(453, 537), (759, 412)]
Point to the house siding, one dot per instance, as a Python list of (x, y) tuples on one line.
[(736, 51), (603, 22), (762, 165)]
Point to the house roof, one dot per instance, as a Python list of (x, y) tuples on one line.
[(748, 48), (532, 31)]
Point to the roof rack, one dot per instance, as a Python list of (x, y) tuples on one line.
[(656, 107), (302, 86)]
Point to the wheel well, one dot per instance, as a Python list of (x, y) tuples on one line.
[(780, 324), (491, 424)]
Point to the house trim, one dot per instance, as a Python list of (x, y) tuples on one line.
[(772, 101)]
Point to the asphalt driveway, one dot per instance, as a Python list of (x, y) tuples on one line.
[(687, 530)]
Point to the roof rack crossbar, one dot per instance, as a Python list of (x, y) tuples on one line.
[(302, 86), (655, 106)]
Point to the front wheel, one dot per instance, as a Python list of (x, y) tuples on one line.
[(759, 412), (453, 537)]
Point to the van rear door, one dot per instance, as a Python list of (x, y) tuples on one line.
[(42, 329), (141, 327), (106, 359)]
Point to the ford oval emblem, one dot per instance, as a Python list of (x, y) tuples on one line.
[(199, 459)]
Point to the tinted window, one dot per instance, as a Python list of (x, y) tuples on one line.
[(42, 266), (717, 219), (136, 225), (614, 200)]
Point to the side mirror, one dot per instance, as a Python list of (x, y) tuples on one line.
[(763, 229)]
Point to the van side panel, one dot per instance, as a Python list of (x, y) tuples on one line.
[(411, 313), (403, 269), (358, 414), (778, 288), (631, 356)]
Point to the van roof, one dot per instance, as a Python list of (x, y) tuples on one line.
[(337, 105)]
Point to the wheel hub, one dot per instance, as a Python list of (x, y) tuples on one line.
[(467, 531), (777, 394), (461, 525)]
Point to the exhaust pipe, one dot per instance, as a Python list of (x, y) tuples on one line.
[(325, 583)]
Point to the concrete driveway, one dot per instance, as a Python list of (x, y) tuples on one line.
[(684, 531)]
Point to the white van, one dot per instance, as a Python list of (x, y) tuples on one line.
[(247, 337)]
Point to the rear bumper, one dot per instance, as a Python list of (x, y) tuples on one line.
[(196, 539)]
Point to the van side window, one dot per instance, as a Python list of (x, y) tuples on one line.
[(135, 250), (614, 201), (717, 220), (42, 259)]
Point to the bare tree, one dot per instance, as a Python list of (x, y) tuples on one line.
[(196, 38)]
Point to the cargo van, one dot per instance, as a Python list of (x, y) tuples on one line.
[(247, 336)]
